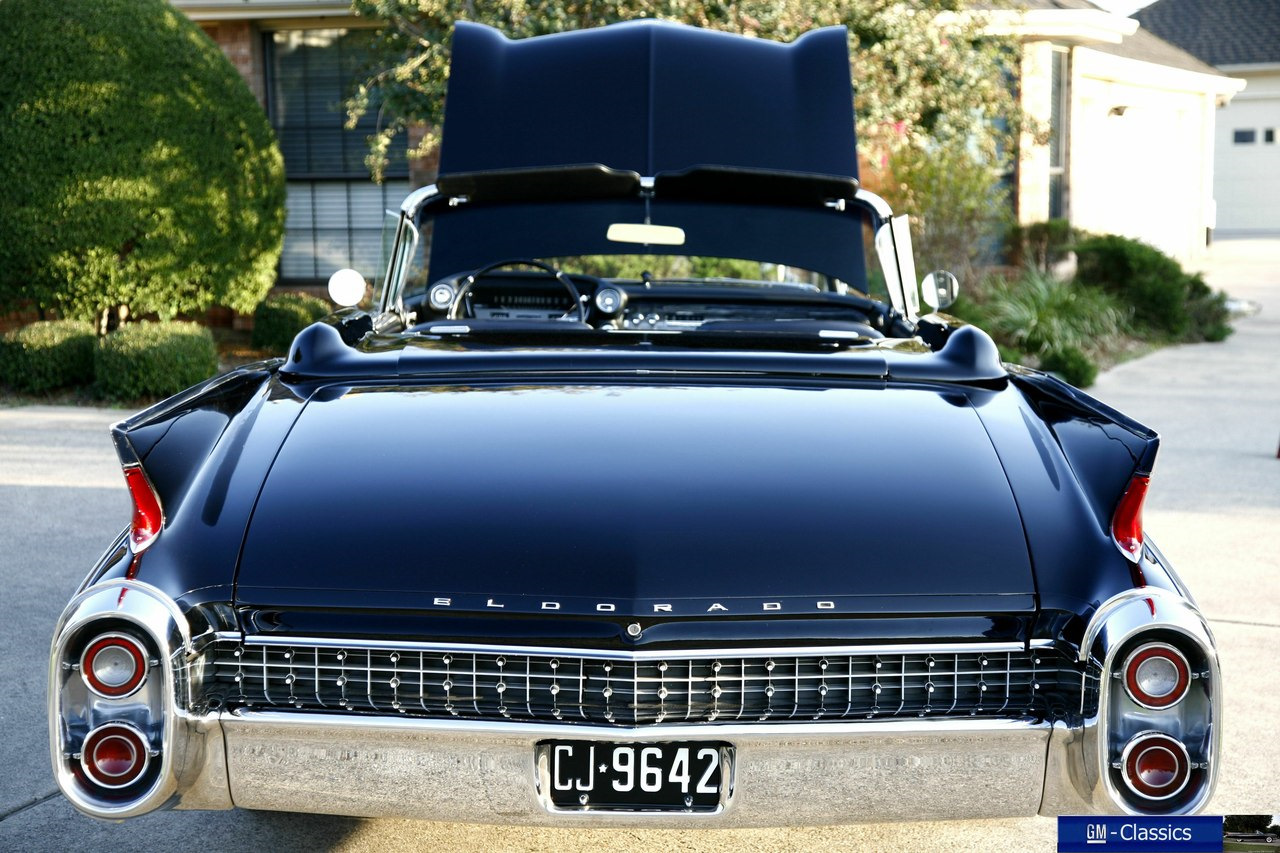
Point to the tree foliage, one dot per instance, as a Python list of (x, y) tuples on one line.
[(921, 78), (138, 169), (153, 359), (1246, 822), (281, 316), (957, 200)]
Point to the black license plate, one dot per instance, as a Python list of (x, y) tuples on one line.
[(595, 775)]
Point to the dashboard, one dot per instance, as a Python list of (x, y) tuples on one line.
[(664, 307)]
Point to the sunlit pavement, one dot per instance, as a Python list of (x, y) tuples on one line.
[(1214, 507)]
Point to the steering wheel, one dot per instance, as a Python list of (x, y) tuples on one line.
[(460, 301)]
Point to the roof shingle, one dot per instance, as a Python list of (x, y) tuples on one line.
[(1221, 32), (1146, 47)]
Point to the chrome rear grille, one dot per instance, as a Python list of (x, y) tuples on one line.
[(745, 686)]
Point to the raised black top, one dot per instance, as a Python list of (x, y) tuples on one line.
[(649, 97)]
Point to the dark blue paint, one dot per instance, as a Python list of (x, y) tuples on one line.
[(649, 97), (625, 493)]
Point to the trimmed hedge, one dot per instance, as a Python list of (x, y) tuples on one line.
[(1071, 364), (1040, 244), (48, 355), (154, 360), (281, 316), (1207, 309), (138, 169), (1165, 299)]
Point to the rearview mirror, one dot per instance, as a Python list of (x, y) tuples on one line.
[(645, 234), (939, 289)]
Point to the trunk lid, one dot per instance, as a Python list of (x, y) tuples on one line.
[(648, 500)]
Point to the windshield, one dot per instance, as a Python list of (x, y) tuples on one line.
[(614, 251), (662, 269)]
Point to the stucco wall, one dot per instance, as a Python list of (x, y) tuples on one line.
[(1249, 175), (1142, 152), (1033, 161)]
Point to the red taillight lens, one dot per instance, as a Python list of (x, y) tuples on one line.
[(1155, 765), (115, 755), (1126, 524), (114, 665), (1157, 676), (147, 515)]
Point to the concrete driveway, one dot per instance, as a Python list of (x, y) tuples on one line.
[(1214, 507)]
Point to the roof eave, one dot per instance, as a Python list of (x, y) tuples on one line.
[(1064, 26), (1247, 67), (261, 10), (1156, 75)]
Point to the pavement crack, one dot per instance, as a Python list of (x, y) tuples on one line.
[(1243, 622), (35, 801)]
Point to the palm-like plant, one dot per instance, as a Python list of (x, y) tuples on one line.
[(1039, 314)]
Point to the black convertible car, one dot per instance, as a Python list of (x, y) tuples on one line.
[(634, 498)]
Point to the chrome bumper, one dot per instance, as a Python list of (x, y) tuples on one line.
[(483, 772), (803, 774)]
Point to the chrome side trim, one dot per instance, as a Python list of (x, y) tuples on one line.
[(609, 654), (120, 542), (328, 642), (638, 734), (1111, 605)]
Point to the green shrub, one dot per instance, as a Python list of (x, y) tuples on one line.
[(1037, 314), (281, 316), (1210, 318), (153, 360), (1071, 364), (1165, 299), (957, 201), (47, 355), (1013, 355), (138, 169), (1040, 244)]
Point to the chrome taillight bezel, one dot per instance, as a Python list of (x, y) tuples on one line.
[(1140, 655), (1121, 625), (137, 743), (1134, 750), (136, 651)]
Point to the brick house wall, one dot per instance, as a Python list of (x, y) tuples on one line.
[(240, 42)]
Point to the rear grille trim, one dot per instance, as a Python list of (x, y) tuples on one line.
[(566, 685)]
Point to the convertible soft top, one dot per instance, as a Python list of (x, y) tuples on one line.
[(715, 116), (649, 97)]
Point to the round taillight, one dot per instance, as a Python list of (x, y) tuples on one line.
[(114, 665), (115, 755), (1155, 766), (1156, 676)]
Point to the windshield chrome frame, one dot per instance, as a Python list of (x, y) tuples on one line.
[(878, 211)]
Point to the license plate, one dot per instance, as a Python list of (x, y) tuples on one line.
[(602, 776)]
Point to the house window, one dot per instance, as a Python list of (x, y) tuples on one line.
[(1245, 137), (1058, 133), (334, 211), (1269, 135)]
